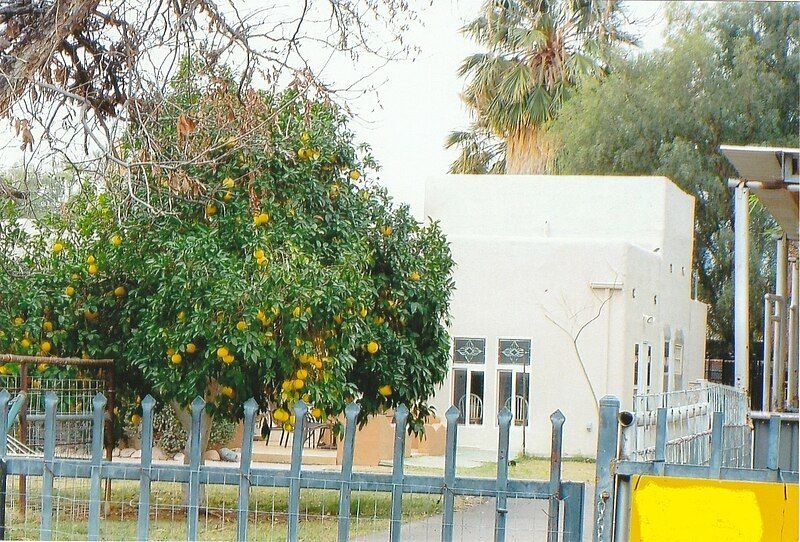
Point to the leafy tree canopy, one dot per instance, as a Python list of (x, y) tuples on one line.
[(270, 267), (727, 74)]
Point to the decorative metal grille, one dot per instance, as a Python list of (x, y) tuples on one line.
[(469, 350), (514, 351)]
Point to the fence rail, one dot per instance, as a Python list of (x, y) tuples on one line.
[(565, 499)]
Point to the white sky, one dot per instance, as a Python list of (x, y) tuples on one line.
[(418, 103)]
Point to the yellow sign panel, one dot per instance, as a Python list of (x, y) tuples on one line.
[(691, 509)]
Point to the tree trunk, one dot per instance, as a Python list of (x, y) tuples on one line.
[(527, 152), (184, 416)]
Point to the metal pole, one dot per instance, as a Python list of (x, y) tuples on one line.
[(778, 367), (607, 442), (627, 446), (741, 275), (782, 290), (766, 373), (793, 358)]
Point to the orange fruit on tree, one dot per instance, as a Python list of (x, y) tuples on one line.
[(355, 175), (385, 390), (228, 182), (136, 419), (191, 348), (46, 346), (261, 219), (386, 231), (42, 367), (414, 276), (116, 240), (25, 343), (119, 291), (211, 209), (222, 351), (373, 347), (93, 269), (316, 413), (299, 384), (302, 374), (58, 247), (241, 325), (47, 326), (176, 358), (90, 259), (227, 391), (227, 360)]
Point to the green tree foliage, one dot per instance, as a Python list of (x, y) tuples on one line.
[(536, 51), (263, 265), (727, 74)]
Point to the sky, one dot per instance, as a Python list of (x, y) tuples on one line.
[(416, 103)]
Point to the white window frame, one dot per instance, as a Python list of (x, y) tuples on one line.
[(469, 367), (514, 369)]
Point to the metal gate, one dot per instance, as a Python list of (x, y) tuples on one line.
[(617, 465), (564, 509)]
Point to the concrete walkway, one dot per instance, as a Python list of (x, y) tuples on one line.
[(526, 522)]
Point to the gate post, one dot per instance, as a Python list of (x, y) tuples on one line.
[(557, 420), (604, 478)]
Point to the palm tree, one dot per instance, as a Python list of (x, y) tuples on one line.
[(537, 50)]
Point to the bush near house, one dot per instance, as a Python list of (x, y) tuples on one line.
[(249, 257)]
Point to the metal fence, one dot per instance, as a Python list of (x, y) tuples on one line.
[(689, 425), (617, 462), (267, 502)]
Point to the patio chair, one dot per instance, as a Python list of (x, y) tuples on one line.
[(475, 408)]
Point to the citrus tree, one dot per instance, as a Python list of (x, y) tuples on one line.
[(269, 267)]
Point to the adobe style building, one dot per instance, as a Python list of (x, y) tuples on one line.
[(568, 288)]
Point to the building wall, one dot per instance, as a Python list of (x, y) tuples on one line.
[(580, 266)]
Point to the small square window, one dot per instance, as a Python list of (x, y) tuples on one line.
[(469, 350), (514, 351)]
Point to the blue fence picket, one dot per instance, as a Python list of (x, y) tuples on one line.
[(143, 521), (195, 453), (557, 421), (661, 441), (246, 456), (5, 397), (300, 411), (501, 501), (451, 444), (717, 425), (351, 415), (50, 406), (398, 459), (773, 442), (95, 489)]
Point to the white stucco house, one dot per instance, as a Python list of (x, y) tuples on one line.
[(568, 288)]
